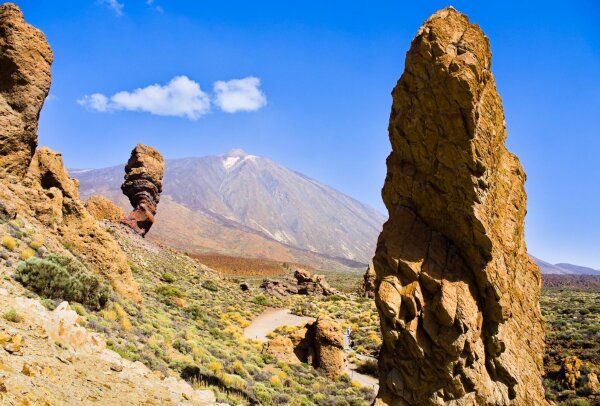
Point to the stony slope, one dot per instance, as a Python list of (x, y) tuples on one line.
[(268, 208)]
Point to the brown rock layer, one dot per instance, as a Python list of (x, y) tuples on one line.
[(102, 208), (143, 185), (25, 59), (457, 293)]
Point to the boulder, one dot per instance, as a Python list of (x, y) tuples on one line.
[(329, 346), (102, 208), (571, 370), (320, 344), (25, 59), (143, 186), (457, 294)]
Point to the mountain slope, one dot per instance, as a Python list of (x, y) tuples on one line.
[(247, 205), (564, 268)]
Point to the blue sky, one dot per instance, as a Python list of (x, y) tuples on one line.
[(321, 107)]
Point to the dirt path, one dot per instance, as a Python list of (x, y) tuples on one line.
[(269, 320)]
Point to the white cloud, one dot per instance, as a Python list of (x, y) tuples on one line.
[(239, 95), (96, 101), (115, 6), (181, 97)]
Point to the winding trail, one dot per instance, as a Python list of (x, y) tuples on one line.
[(272, 318)]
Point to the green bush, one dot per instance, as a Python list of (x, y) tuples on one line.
[(260, 300), (59, 277), (168, 277), (210, 285), (169, 291)]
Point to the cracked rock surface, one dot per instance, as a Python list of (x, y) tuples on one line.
[(457, 293)]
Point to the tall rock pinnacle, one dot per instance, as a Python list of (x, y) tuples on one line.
[(25, 59), (143, 185), (457, 293)]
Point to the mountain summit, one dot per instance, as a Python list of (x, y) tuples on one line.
[(247, 205)]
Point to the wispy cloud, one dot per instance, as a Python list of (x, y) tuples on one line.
[(152, 4), (114, 5), (181, 97), (239, 95)]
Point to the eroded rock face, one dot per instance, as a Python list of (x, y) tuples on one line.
[(25, 59), (320, 344), (104, 209), (52, 197), (457, 294), (143, 185)]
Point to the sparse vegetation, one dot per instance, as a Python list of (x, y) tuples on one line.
[(13, 316), (59, 277), (9, 243)]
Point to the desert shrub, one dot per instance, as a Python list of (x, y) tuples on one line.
[(210, 285), (13, 316), (59, 277), (580, 402), (168, 277), (27, 253), (260, 300), (169, 291), (37, 243), (9, 243)]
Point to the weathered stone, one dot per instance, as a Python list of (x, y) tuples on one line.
[(571, 370), (329, 346), (303, 284), (457, 293), (25, 59), (143, 185), (53, 197), (367, 287), (104, 209)]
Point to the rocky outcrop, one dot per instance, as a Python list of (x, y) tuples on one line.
[(328, 341), (367, 287), (52, 197), (457, 294), (320, 344), (25, 59), (143, 185), (303, 284), (571, 370), (102, 208)]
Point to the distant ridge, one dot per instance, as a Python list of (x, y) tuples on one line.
[(564, 268)]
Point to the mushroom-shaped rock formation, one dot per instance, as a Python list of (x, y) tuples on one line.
[(143, 185), (25, 59), (457, 294)]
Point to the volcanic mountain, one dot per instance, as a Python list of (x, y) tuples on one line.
[(245, 205)]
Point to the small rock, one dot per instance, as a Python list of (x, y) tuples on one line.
[(29, 370), (116, 367)]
